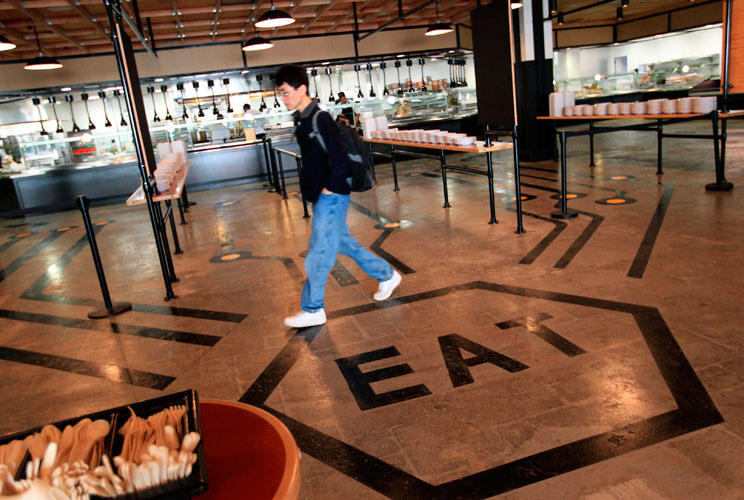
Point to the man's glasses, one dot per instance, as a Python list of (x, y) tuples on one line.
[(284, 95)]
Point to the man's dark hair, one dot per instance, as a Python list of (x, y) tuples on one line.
[(292, 75)]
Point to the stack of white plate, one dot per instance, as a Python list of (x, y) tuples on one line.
[(669, 107), (568, 110), (655, 106), (638, 108), (600, 109), (613, 109), (586, 109), (623, 108), (684, 105), (704, 104)]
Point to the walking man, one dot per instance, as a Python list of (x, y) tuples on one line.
[(324, 185)]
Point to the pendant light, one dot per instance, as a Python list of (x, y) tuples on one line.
[(75, 127), (409, 63), (257, 42), (41, 62), (164, 90), (624, 3), (151, 91), (553, 7), (272, 77), (91, 126), (263, 106), (200, 114), (385, 91), (53, 101), (397, 69), (179, 87), (226, 82), (273, 18), (123, 122), (421, 62), (516, 4), (215, 111), (314, 74), (619, 13), (6, 44), (102, 95), (37, 103), (330, 84), (438, 28), (359, 84), (371, 87)]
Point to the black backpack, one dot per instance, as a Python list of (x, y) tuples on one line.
[(356, 151)]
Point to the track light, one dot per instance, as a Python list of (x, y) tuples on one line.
[(516, 4), (619, 13), (553, 7), (6, 44), (41, 62), (438, 28), (560, 19), (274, 18), (624, 3)]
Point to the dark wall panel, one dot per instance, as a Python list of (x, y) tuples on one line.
[(493, 66)]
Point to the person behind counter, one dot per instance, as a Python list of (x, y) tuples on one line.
[(347, 112), (323, 183)]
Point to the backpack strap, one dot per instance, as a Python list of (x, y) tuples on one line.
[(316, 131)]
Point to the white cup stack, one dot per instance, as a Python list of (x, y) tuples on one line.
[(613, 109), (669, 107), (600, 109), (704, 104), (655, 106), (368, 126), (684, 105), (638, 108), (568, 110), (623, 108)]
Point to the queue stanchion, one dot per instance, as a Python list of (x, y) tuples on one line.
[(299, 174), (110, 308)]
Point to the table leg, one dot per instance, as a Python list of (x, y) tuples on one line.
[(281, 175), (492, 201), (166, 247), (517, 181), (564, 212), (720, 184), (180, 211), (169, 205), (299, 174), (185, 197), (372, 162), (591, 143), (659, 138), (444, 178), (395, 169)]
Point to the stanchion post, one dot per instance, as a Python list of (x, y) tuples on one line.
[(299, 174), (489, 169), (395, 168), (517, 181), (564, 212), (444, 179), (109, 308)]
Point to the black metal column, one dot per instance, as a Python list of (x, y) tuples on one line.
[(517, 181), (591, 144), (659, 148), (489, 168)]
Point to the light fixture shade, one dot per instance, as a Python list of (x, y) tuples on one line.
[(516, 4), (6, 44), (257, 43), (42, 62), (560, 19), (439, 29), (619, 13), (274, 18), (624, 3)]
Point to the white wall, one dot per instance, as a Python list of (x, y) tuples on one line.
[(581, 62)]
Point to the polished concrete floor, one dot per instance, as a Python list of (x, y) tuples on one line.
[(600, 357)]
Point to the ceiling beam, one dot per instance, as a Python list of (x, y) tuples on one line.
[(42, 21)]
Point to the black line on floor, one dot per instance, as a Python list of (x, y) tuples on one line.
[(289, 264), (267, 382), (119, 328), (376, 247), (36, 292), (638, 267), (342, 275), (108, 371), (28, 255), (581, 241), (9, 244)]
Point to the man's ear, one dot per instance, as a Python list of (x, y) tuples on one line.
[(303, 88)]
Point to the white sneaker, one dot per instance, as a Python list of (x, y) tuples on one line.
[(386, 287), (303, 319)]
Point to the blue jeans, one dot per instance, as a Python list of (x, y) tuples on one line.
[(329, 237)]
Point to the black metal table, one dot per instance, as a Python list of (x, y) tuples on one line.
[(657, 125)]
